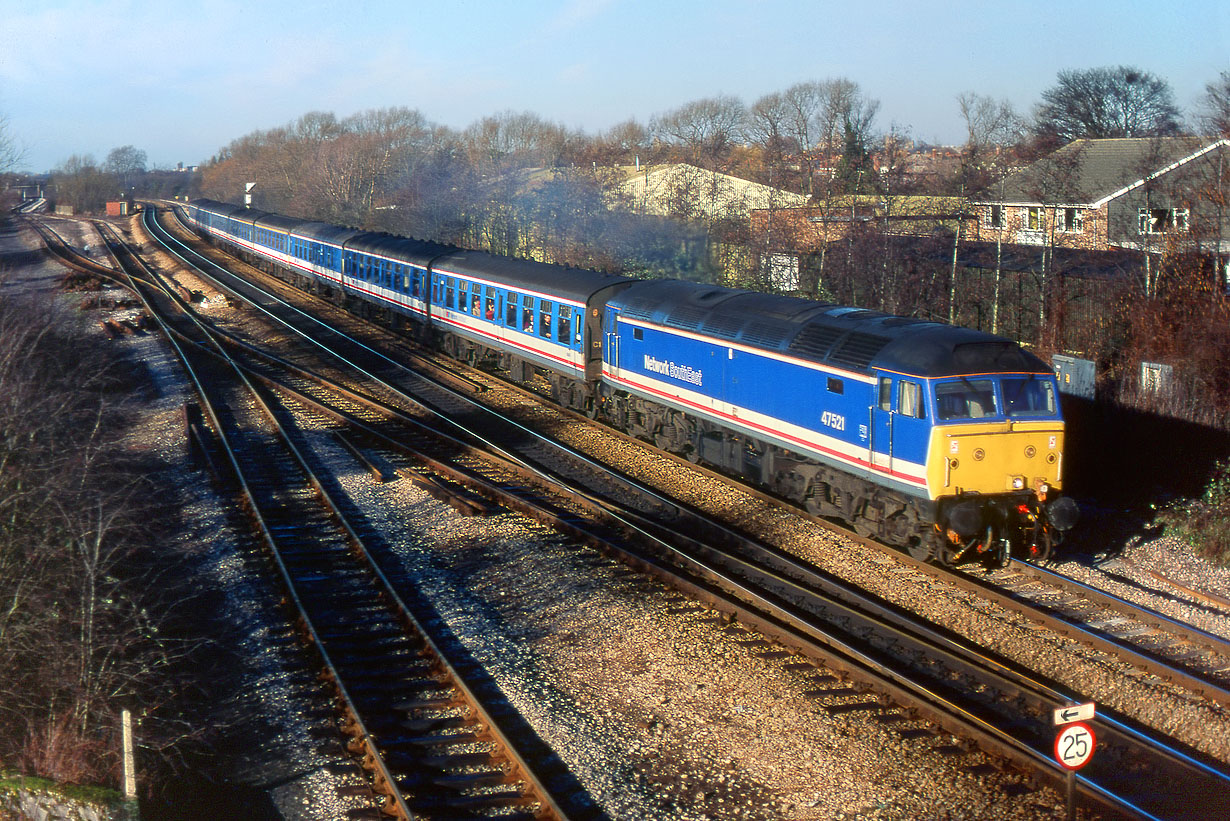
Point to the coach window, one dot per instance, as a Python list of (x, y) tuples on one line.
[(448, 293), (563, 331), (544, 318), (909, 399), (510, 318), (489, 303), (417, 286), (475, 301)]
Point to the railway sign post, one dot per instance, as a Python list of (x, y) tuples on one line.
[(1075, 712), (1074, 746)]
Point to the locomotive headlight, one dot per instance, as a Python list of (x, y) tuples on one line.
[(1018, 482)]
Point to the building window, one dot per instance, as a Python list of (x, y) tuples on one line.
[(995, 217), (1035, 218), (1072, 220), (1162, 220)]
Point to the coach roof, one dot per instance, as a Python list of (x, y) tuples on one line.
[(576, 284), (416, 251)]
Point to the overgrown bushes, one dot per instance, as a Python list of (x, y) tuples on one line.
[(78, 640), (1204, 522)]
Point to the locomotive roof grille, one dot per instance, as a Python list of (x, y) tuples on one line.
[(814, 341), (686, 316), (642, 309), (857, 350), (725, 325), (768, 334)]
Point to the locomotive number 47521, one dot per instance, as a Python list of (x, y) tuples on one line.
[(833, 420)]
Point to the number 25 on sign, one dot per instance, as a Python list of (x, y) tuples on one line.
[(1074, 746)]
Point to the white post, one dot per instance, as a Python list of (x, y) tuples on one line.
[(130, 766)]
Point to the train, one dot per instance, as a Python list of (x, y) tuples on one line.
[(944, 441)]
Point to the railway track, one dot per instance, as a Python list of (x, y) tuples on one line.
[(800, 608), (427, 736), (1158, 645)]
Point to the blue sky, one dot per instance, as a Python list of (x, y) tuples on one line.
[(180, 80)]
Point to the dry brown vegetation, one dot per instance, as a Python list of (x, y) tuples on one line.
[(85, 600)]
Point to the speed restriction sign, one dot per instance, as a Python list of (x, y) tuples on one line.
[(1074, 746)]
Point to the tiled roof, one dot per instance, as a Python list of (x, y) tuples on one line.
[(1088, 171)]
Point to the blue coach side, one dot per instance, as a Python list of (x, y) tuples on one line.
[(524, 309)]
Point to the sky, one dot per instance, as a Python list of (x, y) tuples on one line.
[(181, 80)]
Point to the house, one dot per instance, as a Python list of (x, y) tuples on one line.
[(1127, 193), (807, 228)]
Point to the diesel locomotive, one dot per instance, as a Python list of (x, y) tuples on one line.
[(945, 441)]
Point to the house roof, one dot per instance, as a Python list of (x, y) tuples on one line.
[(1091, 172), (659, 188)]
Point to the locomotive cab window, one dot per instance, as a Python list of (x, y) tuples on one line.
[(885, 398), (1028, 396), (909, 399), (965, 399)]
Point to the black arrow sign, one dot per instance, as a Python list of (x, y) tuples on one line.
[(1069, 715)]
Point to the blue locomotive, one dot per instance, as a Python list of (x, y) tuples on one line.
[(945, 441)]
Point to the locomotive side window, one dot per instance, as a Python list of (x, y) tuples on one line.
[(544, 318), (510, 313), (638, 333), (563, 331), (836, 385), (886, 394), (909, 399), (965, 399)]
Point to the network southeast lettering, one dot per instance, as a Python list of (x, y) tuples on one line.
[(683, 373)]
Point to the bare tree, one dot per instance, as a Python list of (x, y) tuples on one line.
[(80, 183), (126, 163), (991, 126), (767, 125), (1214, 113), (10, 153), (1119, 101), (705, 130)]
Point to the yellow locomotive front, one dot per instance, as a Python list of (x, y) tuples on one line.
[(995, 467)]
